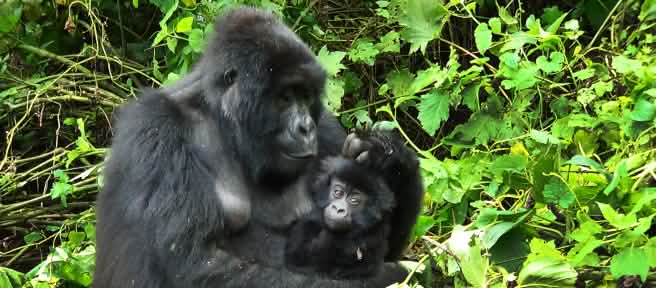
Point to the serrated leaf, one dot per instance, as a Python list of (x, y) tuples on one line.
[(630, 261), (433, 109), (483, 37), (364, 51), (184, 25), (557, 192), (389, 43), (433, 75), (331, 61), (334, 94), (422, 21)]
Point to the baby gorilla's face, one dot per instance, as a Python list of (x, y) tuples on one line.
[(344, 202)]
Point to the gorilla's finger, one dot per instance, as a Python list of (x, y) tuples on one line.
[(347, 144)]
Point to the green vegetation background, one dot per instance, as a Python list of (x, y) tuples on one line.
[(534, 122)]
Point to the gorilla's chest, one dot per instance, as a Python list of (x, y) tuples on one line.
[(278, 210)]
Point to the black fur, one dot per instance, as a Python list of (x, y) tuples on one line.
[(196, 191)]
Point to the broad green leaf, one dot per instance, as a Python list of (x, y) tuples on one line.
[(508, 163), (432, 75), (549, 272), (10, 278), (543, 137), (557, 192), (583, 161), (422, 21), (643, 110), (433, 109), (495, 25), (197, 40), (584, 74), (472, 263), (32, 237), (625, 65), (424, 223), (583, 252), (492, 234), (400, 81), (10, 15), (171, 43), (615, 219), (331, 61), (479, 129), (470, 96), (553, 65), (630, 261), (647, 10), (483, 37), (621, 171), (184, 25)]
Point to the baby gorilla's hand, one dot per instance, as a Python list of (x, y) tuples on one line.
[(372, 149)]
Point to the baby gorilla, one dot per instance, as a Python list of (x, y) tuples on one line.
[(345, 236)]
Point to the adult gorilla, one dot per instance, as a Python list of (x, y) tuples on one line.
[(206, 176)]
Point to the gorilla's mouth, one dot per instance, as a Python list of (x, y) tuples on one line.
[(300, 155)]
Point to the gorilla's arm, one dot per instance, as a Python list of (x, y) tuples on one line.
[(400, 167)]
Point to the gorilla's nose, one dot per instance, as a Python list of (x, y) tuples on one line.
[(339, 211), (305, 126)]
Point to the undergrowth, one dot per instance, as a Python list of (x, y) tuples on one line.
[(534, 121)]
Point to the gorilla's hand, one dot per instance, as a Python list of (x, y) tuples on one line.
[(378, 150)]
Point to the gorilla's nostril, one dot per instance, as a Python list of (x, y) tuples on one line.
[(340, 211), (305, 125)]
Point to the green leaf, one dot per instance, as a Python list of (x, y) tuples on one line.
[(543, 137), (552, 66), (472, 262), (364, 51), (171, 43), (492, 234), (643, 110), (582, 251), (624, 65), (470, 96), (630, 261), (508, 163), (495, 25), (584, 74), (184, 25), (433, 109), (331, 61), (422, 21), (334, 94), (583, 161), (548, 272), (648, 10), (389, 43), (483, 37), (135, 3), (621, 171), (615, 219), (10, 278), (32, 237), (10, 15), (424, 223), (433, 75), (189, 3), (557, 192), (197, 40)]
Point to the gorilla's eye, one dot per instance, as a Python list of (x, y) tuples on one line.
[(229, 77), (338, 193)]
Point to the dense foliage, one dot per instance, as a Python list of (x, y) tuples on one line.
[(535, 122)]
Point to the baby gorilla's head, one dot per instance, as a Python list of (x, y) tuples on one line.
[(351, 196)]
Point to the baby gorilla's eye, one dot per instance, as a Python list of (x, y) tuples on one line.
[(338, 193)]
